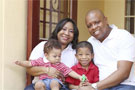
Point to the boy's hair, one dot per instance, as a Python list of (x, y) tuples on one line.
[(83, 44), (50, 44)]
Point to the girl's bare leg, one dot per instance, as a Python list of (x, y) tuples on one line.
[(40, 86)]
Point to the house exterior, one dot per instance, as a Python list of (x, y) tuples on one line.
[(13, 34)]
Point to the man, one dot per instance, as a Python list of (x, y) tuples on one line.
[(114, 54)]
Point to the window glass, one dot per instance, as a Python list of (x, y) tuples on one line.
[(130, 16), (51, 11)]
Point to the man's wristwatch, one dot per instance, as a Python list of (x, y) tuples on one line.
[(94, 85)]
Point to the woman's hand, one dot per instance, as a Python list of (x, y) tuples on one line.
[(52, 72)]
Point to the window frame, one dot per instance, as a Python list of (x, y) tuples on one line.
[(131, 17)]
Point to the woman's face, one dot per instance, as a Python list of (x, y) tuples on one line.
[(66, 34)]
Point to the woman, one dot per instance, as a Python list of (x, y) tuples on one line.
[(66, 32)]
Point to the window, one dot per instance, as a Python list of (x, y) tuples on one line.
[(130, 16), (51, 11)]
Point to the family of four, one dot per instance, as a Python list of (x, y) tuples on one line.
[(106, 58)]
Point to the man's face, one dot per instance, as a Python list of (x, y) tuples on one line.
[(97, 26)]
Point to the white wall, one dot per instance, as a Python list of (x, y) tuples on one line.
[(13, 31)]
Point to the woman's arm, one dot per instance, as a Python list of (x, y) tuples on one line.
[(38, 70)]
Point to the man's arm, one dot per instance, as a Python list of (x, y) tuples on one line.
[(122, 73)]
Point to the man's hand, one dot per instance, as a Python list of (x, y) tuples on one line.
[(89, 87), (86, 83), (85, 86)]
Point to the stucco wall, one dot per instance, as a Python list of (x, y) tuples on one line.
[(1, 40), (83, 7), (13, 31), (115, 11)]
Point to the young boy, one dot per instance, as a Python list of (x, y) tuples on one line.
[(52, 50), (84, 54)]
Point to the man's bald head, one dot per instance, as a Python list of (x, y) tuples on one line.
[(97, 12)]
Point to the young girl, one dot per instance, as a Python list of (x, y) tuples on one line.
[(52, 50), (84, 54)]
